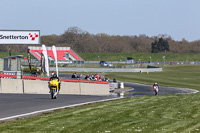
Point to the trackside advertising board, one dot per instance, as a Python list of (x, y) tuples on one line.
[(19, 37)]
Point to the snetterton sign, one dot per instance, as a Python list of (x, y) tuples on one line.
[(19, 37)]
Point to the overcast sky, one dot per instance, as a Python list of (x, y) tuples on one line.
[(177, 18)]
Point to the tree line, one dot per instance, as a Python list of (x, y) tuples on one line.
[(83, 42)]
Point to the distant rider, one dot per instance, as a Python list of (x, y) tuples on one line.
[(155, 88)]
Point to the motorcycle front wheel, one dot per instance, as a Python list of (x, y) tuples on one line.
[(53, 91)]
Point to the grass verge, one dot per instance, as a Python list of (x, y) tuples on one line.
[(175, 113), (155, 57), (185, 76)]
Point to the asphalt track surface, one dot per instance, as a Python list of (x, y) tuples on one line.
[(14, 106), (147, 90)]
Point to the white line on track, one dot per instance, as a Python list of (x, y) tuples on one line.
[(52, 109)]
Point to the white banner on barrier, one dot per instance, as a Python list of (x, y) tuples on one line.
[(55, 55), (46, 59), (19, 37)]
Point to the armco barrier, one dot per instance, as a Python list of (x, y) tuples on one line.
[(11, 85)]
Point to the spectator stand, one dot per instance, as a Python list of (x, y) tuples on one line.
[(65, 56)]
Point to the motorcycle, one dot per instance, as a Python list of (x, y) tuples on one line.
[(54, 88), (155, 88)]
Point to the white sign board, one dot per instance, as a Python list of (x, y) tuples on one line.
[(19, 37)]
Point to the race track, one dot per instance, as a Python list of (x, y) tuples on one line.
[(18, 105), (146, 90)]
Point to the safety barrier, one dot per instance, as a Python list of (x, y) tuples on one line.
[(105, 70), (39, 85), (35, 87), (70, 88), (83, 81), (8, 76), (35, 77), (11, 85), (66, 80), (97, 89)]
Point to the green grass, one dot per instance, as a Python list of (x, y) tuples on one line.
[(6, 54), (155, 57), (174, 113), (185, 76)]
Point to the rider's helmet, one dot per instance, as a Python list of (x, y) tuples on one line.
[(55, 75), (155, 83)]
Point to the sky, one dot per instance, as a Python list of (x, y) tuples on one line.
[(176, 18)]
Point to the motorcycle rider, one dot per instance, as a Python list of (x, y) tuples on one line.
[(155, 88), (54, 76)]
